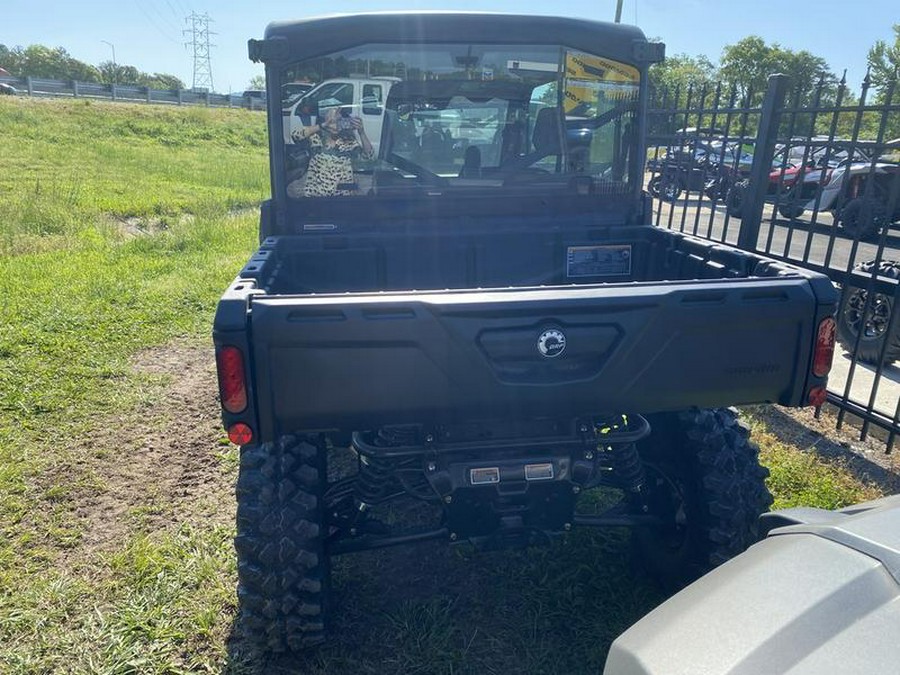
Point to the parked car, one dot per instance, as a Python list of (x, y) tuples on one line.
[(254, 98), (291, 93), (364, 96)]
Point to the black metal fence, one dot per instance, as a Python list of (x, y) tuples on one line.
[(811, 177)]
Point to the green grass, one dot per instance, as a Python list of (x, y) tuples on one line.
[(121, 225), (80, 296), (804, 479), (69, 166)]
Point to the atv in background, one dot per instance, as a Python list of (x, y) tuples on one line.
[(794, 178), (703, 163), (866, 325), (865, 195), (858, 190), (821, 594)]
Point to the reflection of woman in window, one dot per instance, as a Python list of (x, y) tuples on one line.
[(342, 141)]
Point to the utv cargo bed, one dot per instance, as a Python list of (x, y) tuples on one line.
[(651, 320)]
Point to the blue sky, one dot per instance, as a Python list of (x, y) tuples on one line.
[(147, 33)]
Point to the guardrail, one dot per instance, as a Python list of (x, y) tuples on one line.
[(32, 86)]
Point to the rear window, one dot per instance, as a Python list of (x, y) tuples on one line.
[(395, 120)]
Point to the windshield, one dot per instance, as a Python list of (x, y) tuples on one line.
[(389, 119)]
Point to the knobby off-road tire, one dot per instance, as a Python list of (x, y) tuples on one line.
[(791, 209), (735, 199), (283, 572), (664, 187), (876, 325), (864, 218), (705, 481)]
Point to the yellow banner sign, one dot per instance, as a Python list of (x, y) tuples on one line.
[(582, 66), (592, 80)]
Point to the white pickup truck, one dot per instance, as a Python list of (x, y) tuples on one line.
[(366, 96)]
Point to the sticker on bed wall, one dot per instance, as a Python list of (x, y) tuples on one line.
[(598, 261)]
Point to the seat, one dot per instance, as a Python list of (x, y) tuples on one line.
[(545, 136), (471, 167)]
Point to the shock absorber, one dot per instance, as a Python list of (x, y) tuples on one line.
[(373, 481), (624, 459)]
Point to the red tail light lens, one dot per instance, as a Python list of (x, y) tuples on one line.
[(824, 348), (240, 434), (232, 385), (818, 396)]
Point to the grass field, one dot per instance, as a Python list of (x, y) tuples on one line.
[(119, 227)]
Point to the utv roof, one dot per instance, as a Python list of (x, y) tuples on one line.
[(290, 41)]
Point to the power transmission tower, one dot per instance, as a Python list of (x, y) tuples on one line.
[(199, 33)]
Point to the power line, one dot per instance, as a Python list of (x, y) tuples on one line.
[(199, 33), (174, 12), (155, 24), (184, 7), (166, 21)]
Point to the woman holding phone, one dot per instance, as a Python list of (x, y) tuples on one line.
[(340, 142)]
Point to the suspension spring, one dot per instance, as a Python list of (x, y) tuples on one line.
[(624, 458), (373, 481), (628, 468)]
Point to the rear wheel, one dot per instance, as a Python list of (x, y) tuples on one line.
[(716, 187), (736, 198), (664, 187), (704, 480), (283, 571), (864, 218), (874, 325), (791, 209)]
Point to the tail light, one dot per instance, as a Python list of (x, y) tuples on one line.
[(232, 381), (818, 396), (824, 350), (240, 434)]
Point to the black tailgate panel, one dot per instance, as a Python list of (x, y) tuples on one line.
[(360, 361)]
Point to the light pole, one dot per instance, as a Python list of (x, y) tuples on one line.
[(115, 68)]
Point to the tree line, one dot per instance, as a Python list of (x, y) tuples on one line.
[(55, 63), (743, 70), (746, 65)]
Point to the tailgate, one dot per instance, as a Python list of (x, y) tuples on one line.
[(360, 361)]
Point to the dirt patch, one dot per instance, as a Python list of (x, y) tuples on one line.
[(135, 226), (160, 464)]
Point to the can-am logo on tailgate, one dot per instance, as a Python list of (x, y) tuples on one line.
[(551, 343)]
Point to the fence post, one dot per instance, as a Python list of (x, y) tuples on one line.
[(113, 90), (149, 98), (206, 97), (30, 85), (764, 152), (179, 97), (75, 88)]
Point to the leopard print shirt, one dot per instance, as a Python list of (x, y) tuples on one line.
[(330, 171)]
